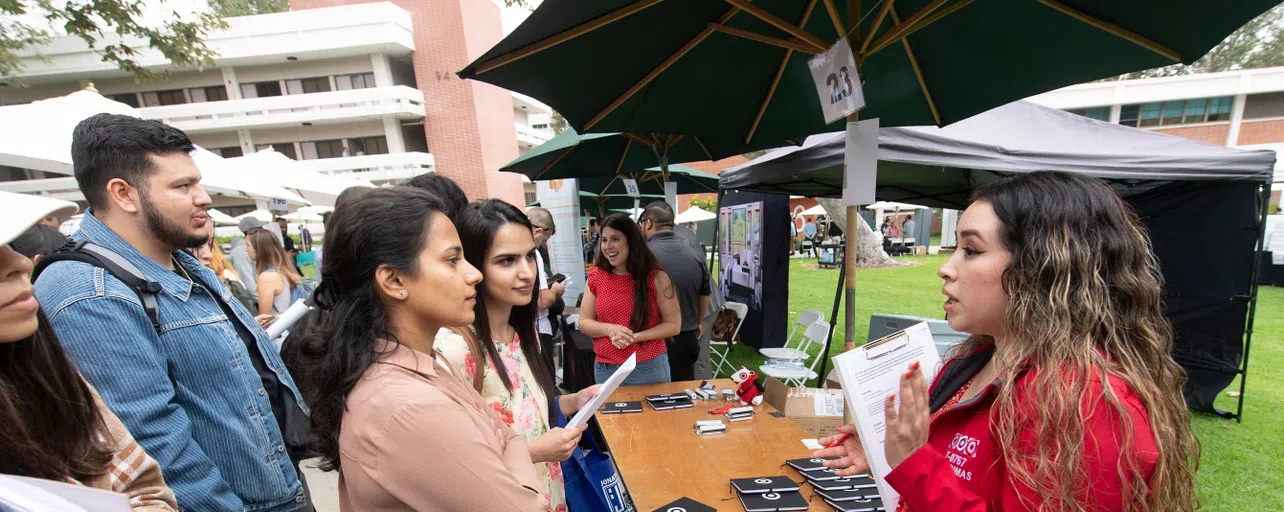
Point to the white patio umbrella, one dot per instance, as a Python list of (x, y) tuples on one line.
[(37, 136), (220, 218), (280, 170), (694, 214), (301, 216), (814, 211), (220, 176), (262, 215)]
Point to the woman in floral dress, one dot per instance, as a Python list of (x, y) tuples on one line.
[(497, 239)]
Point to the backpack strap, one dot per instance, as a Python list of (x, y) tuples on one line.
[(114, 264), (479, 357)]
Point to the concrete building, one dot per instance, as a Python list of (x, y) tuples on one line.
[(1242, 109), (367, 89)]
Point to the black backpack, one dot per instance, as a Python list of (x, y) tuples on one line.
[(115, 264)]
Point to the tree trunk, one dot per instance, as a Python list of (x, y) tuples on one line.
[(870, 252)]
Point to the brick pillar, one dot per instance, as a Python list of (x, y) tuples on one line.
[(469, 126)]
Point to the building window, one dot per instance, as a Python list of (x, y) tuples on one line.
[(284, 148), (311, 85), (231, 152), (370, 146), (329, 148), (360, 80), (1168, 113), (1098, 113), (159, 98), (218, 93), (1264, 106), (130, 99), (267, 89)]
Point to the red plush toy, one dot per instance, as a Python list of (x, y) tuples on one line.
[(746, 386)]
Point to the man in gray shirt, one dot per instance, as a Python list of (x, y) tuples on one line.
[(691, 278), (241, 261)]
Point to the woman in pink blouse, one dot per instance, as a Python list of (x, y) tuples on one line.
[(405, 431), (630, 306)]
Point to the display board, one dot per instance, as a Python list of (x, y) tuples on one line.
[(753, 263)]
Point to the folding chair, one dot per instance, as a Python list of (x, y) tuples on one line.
[(719, 357), (805, 319), (794, 373)]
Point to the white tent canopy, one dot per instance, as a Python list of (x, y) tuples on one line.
[(895, 206), (694, 214), (814, 211)]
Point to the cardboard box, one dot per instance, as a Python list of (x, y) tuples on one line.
[(799, 404)]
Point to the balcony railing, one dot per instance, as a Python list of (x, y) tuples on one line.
[(376, 168), (291, 110), (532, 136)]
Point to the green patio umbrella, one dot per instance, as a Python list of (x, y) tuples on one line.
[(572, 155), (731, 71)]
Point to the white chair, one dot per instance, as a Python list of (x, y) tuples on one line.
[(719, 357), (794, 373), (805, 319)]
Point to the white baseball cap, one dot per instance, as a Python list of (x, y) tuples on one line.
[(18, 212)]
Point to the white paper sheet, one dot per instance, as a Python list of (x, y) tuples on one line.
[(24, 494), (828, 403), (872, 372), (608, 387), (860, 163)]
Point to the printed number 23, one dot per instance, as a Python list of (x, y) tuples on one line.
[(840, 85)]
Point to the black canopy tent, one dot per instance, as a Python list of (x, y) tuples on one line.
[(1204, 206)]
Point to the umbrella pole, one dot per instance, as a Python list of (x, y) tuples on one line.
[(853, 233)]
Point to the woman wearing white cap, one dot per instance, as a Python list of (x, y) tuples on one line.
[(52, 424)]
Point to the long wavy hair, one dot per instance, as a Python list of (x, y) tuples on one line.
[(1084, 304), (50, 426), (641, 261), (478, 223), (270, 253), (385, 226)]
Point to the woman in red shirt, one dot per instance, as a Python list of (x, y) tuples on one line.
[(630, 306), (1066, 396)]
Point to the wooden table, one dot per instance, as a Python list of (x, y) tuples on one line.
[(661, 458)]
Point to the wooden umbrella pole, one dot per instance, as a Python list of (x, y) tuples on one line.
[(853, 234)]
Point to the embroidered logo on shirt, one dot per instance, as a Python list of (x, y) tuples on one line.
[(962, 451)]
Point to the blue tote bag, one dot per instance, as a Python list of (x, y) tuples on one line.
[(592, 485)]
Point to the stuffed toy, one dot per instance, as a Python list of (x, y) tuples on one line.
[(747, 387)]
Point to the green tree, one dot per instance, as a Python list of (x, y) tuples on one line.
[(557, 123), (230, 8), (180, 40), (1257, 44)]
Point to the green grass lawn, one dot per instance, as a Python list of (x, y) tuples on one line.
[(1236, 466)]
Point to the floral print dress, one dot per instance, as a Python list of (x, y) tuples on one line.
[(525, 408)]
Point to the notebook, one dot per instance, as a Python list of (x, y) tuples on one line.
[(844, 484), (871, 505), (686, 505), (664, 405), (821, 475), (764, 484), (773, 501), (666, 397), (849, 495), (621, 407), (805, 465)]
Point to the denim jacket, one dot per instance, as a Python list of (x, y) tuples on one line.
[(190, 395)]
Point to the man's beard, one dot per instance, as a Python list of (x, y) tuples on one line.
[(167, 232)]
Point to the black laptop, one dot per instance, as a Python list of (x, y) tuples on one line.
[(677, 403)]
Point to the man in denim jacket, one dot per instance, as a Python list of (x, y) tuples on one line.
[(203, 392)]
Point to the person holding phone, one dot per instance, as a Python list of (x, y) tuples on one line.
[(501, 351), (1066, 396)]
